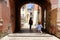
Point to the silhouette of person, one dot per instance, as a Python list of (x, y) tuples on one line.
[(30, 22)]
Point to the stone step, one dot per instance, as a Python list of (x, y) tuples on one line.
[(29, 36)]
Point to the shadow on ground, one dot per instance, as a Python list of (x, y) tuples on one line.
[(25, 30)]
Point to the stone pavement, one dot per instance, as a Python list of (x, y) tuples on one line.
[(29, 36), (25, 34)]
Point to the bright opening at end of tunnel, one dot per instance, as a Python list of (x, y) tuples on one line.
[(30, 10)]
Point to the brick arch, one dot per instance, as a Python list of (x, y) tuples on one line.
[(42, 3), (19, 3)]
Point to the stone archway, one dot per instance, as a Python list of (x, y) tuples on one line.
[(15, 6), (51, 15), (19, 3)]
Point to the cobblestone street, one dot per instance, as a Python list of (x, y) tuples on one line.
[(27, 35)]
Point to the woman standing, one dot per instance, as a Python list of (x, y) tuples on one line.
[(30, 22)]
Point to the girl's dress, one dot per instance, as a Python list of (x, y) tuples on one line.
[(39, 27)]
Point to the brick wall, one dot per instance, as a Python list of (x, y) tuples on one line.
[(0, 15), (5, 15)]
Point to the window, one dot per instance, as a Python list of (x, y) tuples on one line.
[(23, 8)]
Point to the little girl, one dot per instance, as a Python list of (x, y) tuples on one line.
[(39, 27)]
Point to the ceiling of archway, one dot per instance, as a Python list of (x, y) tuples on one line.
[(39, 2)]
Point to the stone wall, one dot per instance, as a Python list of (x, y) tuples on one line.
[(12, 13), (7, 13), (4, 16), (53, 21), (58, 24)]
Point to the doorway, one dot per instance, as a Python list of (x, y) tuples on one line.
[(28, 11), (18, 6)]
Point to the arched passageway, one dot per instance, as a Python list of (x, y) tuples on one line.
[(14, 12), (45, 7), (17, 11), (19, 4), (28, 11)]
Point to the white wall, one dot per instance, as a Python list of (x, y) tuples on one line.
[(35, 17)]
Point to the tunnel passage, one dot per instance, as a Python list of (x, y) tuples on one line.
[(44, 4)]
